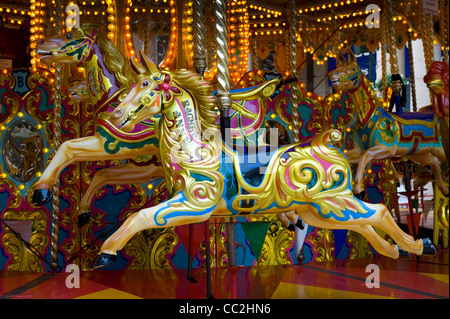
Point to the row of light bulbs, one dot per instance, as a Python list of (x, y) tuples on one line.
[(327, 6), (238, 39)]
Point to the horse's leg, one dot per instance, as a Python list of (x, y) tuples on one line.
[(295, 219), (353, 155), (383, 220), (361, 225), (116, 175), (285, 221), (432, 157), (382, 246), (377, 152), (435, 159), (79, 149), (173, 212), (290, 220)]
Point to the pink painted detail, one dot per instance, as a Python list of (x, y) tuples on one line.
[(174, 164), (288, 179), (198, 196), (324, 164)]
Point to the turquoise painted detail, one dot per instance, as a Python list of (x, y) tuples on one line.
[(120, 144), (166, 205)]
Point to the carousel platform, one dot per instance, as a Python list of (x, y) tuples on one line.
[(405, 278)]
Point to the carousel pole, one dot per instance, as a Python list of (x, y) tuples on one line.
[(391, 37), (383, 43), (57, 143), (443, 23), (200, 67), (224, 102), (412, 73), (291, 55), (291, 58), (199, 48)]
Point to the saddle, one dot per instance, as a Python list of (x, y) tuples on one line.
[(253, 161), (409, 116)]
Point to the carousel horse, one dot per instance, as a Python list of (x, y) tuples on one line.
[(87, 48), (383, 135), (437, 80), (206, 177), (108, 77)]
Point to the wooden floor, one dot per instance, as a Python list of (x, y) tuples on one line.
[(407, 278)]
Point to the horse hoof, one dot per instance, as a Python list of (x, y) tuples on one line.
[(103, 260), (300, 225), (291, 227), (360, 195), (402, 253), (41, 197), (428, 247), (83, 219)]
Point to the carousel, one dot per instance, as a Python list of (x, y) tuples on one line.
[(238, 149)]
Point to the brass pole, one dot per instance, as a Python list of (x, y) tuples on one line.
[(57, 143), (224, 102)]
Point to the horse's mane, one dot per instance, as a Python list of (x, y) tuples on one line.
[(113, 58), (438, 70), (201, 91)]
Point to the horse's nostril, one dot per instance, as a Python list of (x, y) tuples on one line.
[(118, 112), (40, 41)]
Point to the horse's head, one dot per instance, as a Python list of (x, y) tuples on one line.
[(437, 80), (72, 47), (145, 99), (347, 75)]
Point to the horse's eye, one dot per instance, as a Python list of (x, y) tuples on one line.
[(69, 35), (144, 83)]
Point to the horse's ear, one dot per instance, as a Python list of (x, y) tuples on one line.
[(341, 60), (136, 66), (351, 56), (148, 63)]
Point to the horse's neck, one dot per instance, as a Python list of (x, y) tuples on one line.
[(181, 144), (184, 114), (364, 101), (101, 82)]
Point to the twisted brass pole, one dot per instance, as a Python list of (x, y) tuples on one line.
[(412, 74), (199, 47), (383, 42), (291, 52), (57, 143), (391, 37), (443, 27), (224, 101)]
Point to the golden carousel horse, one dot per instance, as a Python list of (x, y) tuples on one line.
[(105, 85), (207, 178), (383, 135), (108, 77)]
